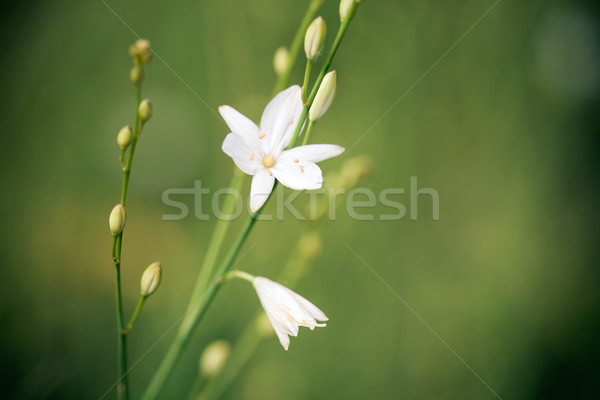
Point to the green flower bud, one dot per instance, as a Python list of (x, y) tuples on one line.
[(140, 51), (314, 39), (345, 6), (281, 60), (324, 96), (214, 357), (136, 74), (116, 221), (145, 110), (124, 137), (150, 279)]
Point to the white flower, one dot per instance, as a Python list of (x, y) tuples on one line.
[(261, 152), (286, 309)]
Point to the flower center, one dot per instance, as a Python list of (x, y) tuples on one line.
[(268, 161)]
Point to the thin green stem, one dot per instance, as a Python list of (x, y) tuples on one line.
[(135, 315), (311, 123), (123, 386), (236, 273), (309, 64), (334, 47), (313, 7), (201, 299), (195, 313)]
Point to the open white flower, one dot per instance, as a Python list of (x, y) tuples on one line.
[(261, 152), (286, 309)]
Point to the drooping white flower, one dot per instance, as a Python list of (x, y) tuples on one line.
[(261, 152), (286, 309)]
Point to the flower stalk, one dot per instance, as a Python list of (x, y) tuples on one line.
[(209, 281)]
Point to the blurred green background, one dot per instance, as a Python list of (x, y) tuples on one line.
[(504, 127)]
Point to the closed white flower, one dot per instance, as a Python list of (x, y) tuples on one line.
[(286, 309), (261, 152)]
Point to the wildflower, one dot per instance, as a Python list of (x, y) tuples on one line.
[(286, 309), (261, 152)]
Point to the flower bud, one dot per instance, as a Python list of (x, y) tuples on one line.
[(345, 6), (213, 358), (324, 96), (136, 74), (281, 60), (314, 39), (116, 221), (140, 51), (150, 279), (124, 137), (145, 110)]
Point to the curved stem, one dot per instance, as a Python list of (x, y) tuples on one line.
[(135, 315)]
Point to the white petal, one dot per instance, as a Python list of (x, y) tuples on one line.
[(303, 175), (280, 118), (262, 185), (242, 156), (243, 128), (312, 152), (309, 307)]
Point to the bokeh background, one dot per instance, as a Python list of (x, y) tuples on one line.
[(504, 127)]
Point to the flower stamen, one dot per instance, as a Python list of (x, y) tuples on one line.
[(268, 161)]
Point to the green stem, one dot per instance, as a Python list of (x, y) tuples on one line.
[(334, 47), (309, 64), (195, 313), (236, 273), (135, 315), (201, 299), (313, 7), (123, 386), (311, 123)]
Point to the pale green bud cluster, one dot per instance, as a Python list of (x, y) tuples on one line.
[(324, 96), (124, 137), (117, 219), (315, 39), (214, 357), (151, 279), (140, 52), (145, 110), (281, 60)]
